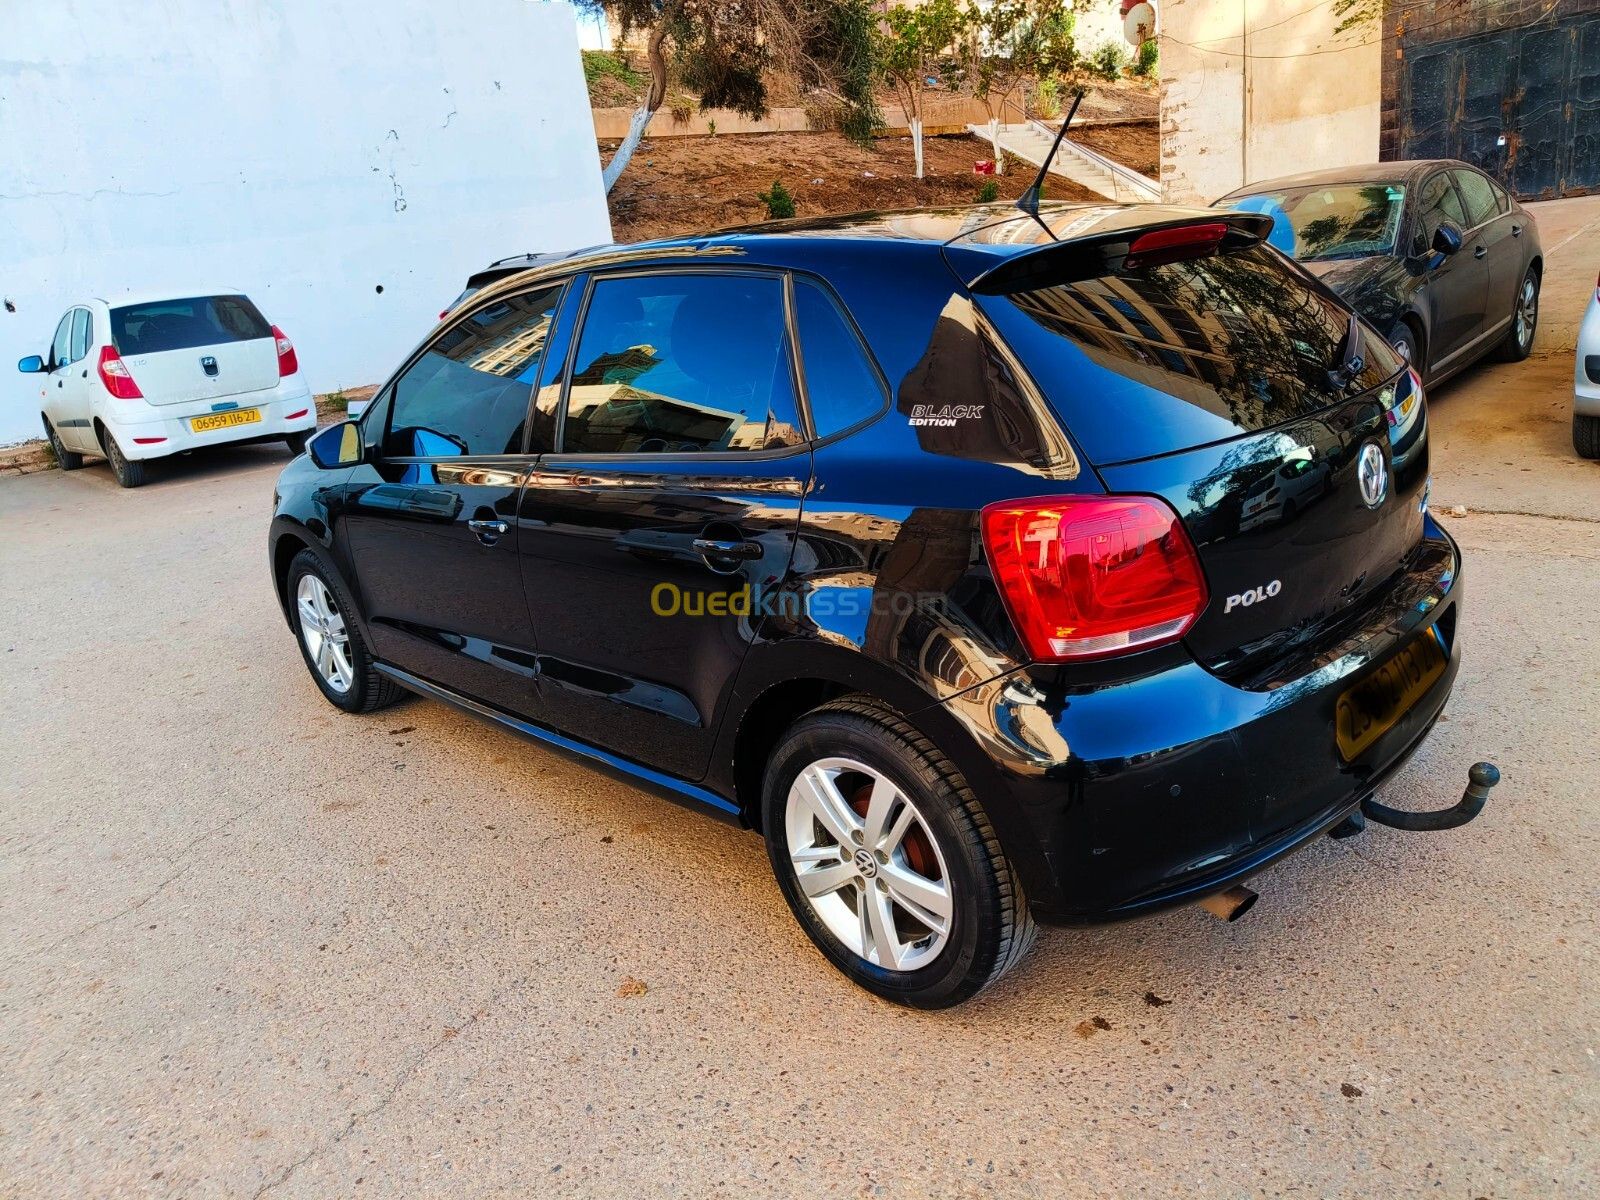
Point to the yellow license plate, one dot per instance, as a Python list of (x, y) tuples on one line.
[(1368, 710), (225, 420)]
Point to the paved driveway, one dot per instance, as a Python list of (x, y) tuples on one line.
[(249, 945)]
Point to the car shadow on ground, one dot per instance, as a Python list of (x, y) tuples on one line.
[(207, 463)]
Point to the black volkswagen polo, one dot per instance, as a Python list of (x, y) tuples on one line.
[(996, 568)]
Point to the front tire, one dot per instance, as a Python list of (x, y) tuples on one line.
[(888, 861), (129, 472), (1518, 342), (1586, 435), (69, 460), (335, 654), (1406, 340)]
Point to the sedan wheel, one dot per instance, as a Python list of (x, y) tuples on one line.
[(323, 632), (887, 860), (1518, 343), (868, 864)]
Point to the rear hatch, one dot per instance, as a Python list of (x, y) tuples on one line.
[(1205, 379), (195, 348)]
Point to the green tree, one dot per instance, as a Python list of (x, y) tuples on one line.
[(1008, 42), (914, 45)]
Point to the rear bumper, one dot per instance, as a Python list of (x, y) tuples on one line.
[(1122, 798), (287, 408)]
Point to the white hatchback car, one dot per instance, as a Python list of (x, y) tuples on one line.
[(1586, 383), (144, 376)]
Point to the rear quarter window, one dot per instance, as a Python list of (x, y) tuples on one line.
[(1167, 358), (160, 325)]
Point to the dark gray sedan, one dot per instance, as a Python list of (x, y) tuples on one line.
[(1436, 255)]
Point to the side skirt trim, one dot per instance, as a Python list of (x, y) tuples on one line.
[(666, 786)]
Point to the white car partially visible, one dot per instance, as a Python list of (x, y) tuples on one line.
[(144, 376), (1586, 383)]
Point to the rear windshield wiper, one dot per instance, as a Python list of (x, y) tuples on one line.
[(1351, 361)]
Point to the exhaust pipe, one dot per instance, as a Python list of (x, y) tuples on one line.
[(1231, 904)]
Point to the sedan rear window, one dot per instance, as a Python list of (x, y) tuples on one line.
[(1340, 220), (159, 325), (1167, 358)]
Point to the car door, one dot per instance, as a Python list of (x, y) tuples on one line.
[(74, 385), (56, 399), (671, 503), (430, 521), (1457, 285), (1489, 238)]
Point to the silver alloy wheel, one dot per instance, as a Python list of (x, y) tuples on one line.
[(322, 628), (1527, 312), (877, 879), (1402, 345)]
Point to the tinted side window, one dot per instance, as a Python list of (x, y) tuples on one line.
[(1501, 199), (1478, 197), (681, 363), (841, 386), (469, 392), (61, 345), (82, 333), (1437, 202)]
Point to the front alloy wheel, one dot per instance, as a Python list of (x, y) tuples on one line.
[(330, 642), (886, 858), (1525, 320)]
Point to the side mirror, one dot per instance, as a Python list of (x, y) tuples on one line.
[(32, 365), (337, 446), (1446, 238)]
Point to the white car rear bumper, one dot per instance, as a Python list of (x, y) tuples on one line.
[(154, 431)]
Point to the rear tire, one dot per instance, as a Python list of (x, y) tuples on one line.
[(69, 460), (129, 472), (1586, 436), (888, 861), (332, 646), (297, 442), (1518, 343)]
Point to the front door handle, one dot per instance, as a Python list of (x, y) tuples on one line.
[(488, 532), (1516, 231), (719, 548), (1479, 252)]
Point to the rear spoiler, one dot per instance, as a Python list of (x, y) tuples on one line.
[(1109, 251)]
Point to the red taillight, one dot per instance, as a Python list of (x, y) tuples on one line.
[(1171, 245), (1092, 576), (444, 314), (114, 374), (288, 363)]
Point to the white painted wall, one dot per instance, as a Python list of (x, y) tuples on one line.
[(1254, 89), (306, 152)]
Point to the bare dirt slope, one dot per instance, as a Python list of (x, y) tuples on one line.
[(1133, 145), (679, 185)]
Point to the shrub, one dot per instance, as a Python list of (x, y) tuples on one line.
[(1149, 58), (778, 201), (602, 62), (1109, 60), (989, 192), (1046, 100)]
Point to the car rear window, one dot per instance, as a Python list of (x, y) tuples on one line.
[(1170, 357), (159, 325)]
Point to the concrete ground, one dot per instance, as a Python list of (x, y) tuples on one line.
[(252, 946)]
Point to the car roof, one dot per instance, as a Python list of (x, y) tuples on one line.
[(147, 296), (975, 233), (1406, 170)]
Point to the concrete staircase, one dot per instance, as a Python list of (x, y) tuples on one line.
[(1031, 141)]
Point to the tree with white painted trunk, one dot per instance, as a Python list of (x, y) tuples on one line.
[(1007, 42), (914, 45)]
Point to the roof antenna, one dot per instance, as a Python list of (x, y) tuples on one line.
[(1028, 202)]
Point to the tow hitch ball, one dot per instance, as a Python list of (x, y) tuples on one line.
[(1480, 778)]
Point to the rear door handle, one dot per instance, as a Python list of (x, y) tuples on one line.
[(488, 532), (718, 548), (1479, 252), (1516, 231)]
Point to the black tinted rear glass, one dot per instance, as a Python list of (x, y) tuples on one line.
[(1171, 357), (159, 325)]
